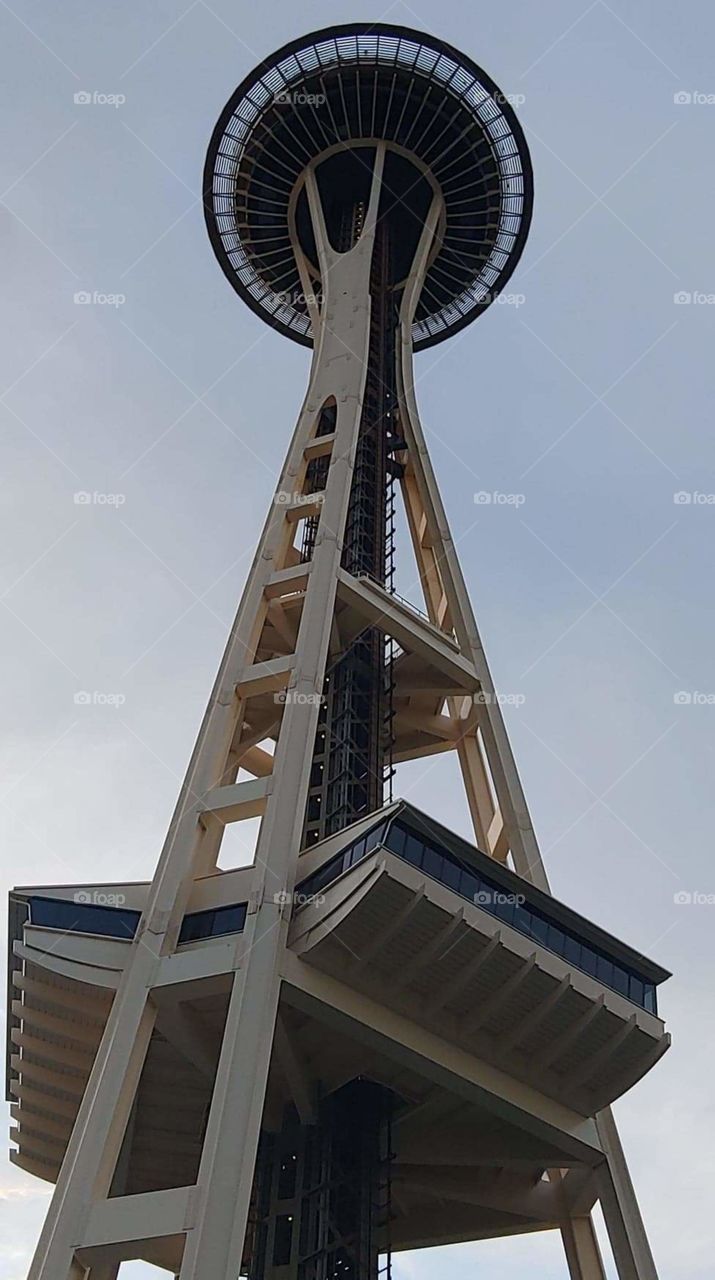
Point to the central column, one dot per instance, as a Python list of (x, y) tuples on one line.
[(351, 753), (320, 1206), (229, 1198)]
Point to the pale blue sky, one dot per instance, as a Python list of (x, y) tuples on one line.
[(593, 399)]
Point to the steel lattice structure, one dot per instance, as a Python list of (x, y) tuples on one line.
[(378, 1036)]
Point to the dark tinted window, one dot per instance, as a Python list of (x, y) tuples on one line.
[(396, 838), (374, 838), (539, 929), (432, 863), (637, 990), (468, 885), (214, 923), (555, 940), (620, 980), (414, 850), (451, 875), (83, 917), (572, 950), (357, 852), (604, 970), (504, 907), (522, 919)]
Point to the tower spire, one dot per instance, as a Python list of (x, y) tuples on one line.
[(378, 1036)]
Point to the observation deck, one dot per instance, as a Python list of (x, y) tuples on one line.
[(395, 908), (324, 101)]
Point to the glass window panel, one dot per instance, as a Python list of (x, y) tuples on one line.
[(650, 1000), (186, 933), (451, 874), (374, 838), (620, 980), (432, 862), (83, 917), (330, 871), (636, 989), (522, 919), (504, 906), (486, 895), (588, 961), (213, 924), (556, 940), (395, 839), (539, 928), (468, 885), (237, 918), (604, 970), (414, 850), (572, 950), (356, 853)]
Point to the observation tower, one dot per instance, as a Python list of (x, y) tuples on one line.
[(379, 1036)]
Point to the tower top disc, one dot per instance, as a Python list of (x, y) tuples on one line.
[(345, 89)]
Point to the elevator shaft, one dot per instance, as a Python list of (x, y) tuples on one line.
[(321, 1195), (351, 751)]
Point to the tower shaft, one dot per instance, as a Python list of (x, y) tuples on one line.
[(245, 1061), (352, 746)]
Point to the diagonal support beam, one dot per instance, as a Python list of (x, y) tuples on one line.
[(602, 1057), (437, 948), (468, 975), (388, 931), (571, 1034), (524, 1027), (500, 997)]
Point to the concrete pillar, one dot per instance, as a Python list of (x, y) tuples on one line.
[(581, 1247), (626, 1232)]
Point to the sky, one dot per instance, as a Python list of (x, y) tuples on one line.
[(169, 404)]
